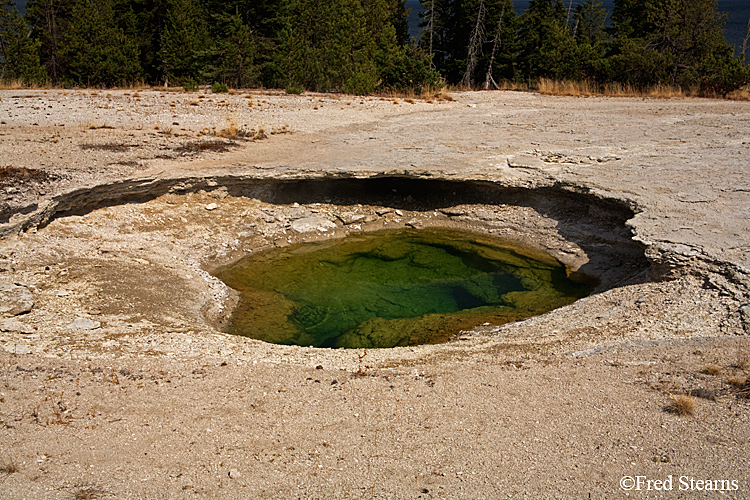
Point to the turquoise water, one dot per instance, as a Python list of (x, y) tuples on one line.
[(392, 288)]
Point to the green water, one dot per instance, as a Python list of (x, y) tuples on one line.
[(392, 288)]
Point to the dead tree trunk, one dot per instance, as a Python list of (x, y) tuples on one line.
[(495, 44), (477, 37), (747, 36), (431, 29), (570, 8)]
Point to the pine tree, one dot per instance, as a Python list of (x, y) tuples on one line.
[(49, 20), (143, 22), (589, 22), (19, 54), (327, 46), (95, 49), (185, 44), (403, 68), (676, 42), (438, 33), (590, 35), (547, 48), (233, 54)]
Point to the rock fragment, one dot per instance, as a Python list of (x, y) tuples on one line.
[(15, 299), (352, 218), (84, 324), (309, 224), (15, 326), (17, 349)]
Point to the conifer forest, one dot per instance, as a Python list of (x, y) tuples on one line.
[(364, 46)]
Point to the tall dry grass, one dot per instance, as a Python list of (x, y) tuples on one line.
[(439, 93), (742, 94), (566, 87), (615, 89), (547, 86), (18, 84)]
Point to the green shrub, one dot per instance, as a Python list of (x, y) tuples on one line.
[(293, 89), (189, 84), (361, 82), (219, 88)]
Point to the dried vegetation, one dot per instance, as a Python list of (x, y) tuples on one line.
[(10, 176), (682, 404)]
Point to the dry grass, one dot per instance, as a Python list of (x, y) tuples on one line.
[(682, 404), (566, 87), (615, 89), (515, 86), (204, 146), (661, 91), (711, 369), (16, 84), (112, 147), (88, 492), (744, 389), (736, 382), (428, 94), (7, 467), (742, 360), (233, 132), (742, 94), (10, 176)]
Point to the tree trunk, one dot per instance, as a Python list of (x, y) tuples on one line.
[(477, 36), (495, 43)]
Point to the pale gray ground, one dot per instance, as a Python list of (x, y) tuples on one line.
[(115, 381)]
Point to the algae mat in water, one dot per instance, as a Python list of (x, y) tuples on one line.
[(392, 288)]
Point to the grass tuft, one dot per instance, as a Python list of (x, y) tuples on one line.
[(736, 382), (565, 87), (682, 404), (742, 94), (233, 132), (88, 492), (8, 467), (742, 360), (711, 369), (744, 389)]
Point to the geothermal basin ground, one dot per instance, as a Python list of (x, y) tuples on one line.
[(117, 379)]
